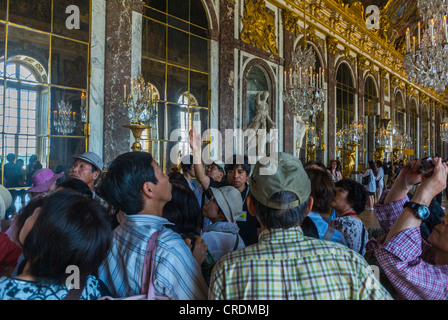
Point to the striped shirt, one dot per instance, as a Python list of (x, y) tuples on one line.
[(285, 264), (177, 274)]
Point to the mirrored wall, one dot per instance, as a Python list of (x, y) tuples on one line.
[(175, 59), (44, 59)]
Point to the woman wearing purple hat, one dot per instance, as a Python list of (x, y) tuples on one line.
[(44, 182)]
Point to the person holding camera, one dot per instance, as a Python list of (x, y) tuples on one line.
[(417, 270)]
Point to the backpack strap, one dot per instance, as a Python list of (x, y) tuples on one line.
[(236, 242), (148, 266), (329, 234)]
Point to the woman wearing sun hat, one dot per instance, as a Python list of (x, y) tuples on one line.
[(222, 236), (44, 181)]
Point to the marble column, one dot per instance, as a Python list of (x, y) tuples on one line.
[(227, 75), (118, 66), (331, 95), (382, 96), (288, 120), (96, 89), (360, 95)]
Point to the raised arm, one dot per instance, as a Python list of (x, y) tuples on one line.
[(428, 189), (195, 144), (408, 176)]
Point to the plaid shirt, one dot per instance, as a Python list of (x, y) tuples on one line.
[(285, 264), (408, 260)]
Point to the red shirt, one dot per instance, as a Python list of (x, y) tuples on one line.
[(9, 252)]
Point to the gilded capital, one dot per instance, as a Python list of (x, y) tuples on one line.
[(290, 21), (362, 63), (332, 45)]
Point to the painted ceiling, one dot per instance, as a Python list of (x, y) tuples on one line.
[(396, 16)]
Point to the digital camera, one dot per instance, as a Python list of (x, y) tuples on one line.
[(427, 167)]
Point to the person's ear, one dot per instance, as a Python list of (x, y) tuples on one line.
[(96, 174), (147, 189), (309, 206), (251, 206)]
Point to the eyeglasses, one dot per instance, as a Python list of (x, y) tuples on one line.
[(209, 201)]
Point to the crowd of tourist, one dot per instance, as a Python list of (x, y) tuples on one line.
[(226, 231)]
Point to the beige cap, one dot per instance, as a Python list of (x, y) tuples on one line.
[(230, 202), (288, 176)]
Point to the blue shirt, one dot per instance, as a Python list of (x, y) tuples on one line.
[(16, 289), (322, 227), (176, 273)]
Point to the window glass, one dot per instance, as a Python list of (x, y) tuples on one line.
[(46, 64)]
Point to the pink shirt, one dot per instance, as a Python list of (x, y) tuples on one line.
[(406, 259)]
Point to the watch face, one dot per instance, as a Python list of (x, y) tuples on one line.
[(423, 212)]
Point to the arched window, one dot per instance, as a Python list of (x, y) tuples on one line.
[(43, 66), (425, 141), (345, 106), (370, 117), (345, 97), (176, 60), (399, 114)]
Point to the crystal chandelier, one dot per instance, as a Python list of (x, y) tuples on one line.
[(402, 141), (426, 58), (444, 130), (383, 137), (141, 102), (351, 135), (64, 118), (304, 90)]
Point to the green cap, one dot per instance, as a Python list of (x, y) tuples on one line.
[(280, 172)]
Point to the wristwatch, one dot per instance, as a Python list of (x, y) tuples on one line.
[(420, 211)]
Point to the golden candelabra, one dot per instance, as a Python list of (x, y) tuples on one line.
[(311, 151), (396, 153), (141, 103), (379, 153)]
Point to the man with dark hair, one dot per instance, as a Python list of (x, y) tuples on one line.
[(285, 264), (215, 171), (136, 185)]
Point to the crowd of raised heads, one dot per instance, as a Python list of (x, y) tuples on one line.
[(226, 231)]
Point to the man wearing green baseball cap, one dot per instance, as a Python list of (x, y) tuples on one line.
[(285, 264)]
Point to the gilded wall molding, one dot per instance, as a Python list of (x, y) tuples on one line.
[(343, 21), (290, 21), (259, 26)]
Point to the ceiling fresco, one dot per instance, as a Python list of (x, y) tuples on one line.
[(396, 17)]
